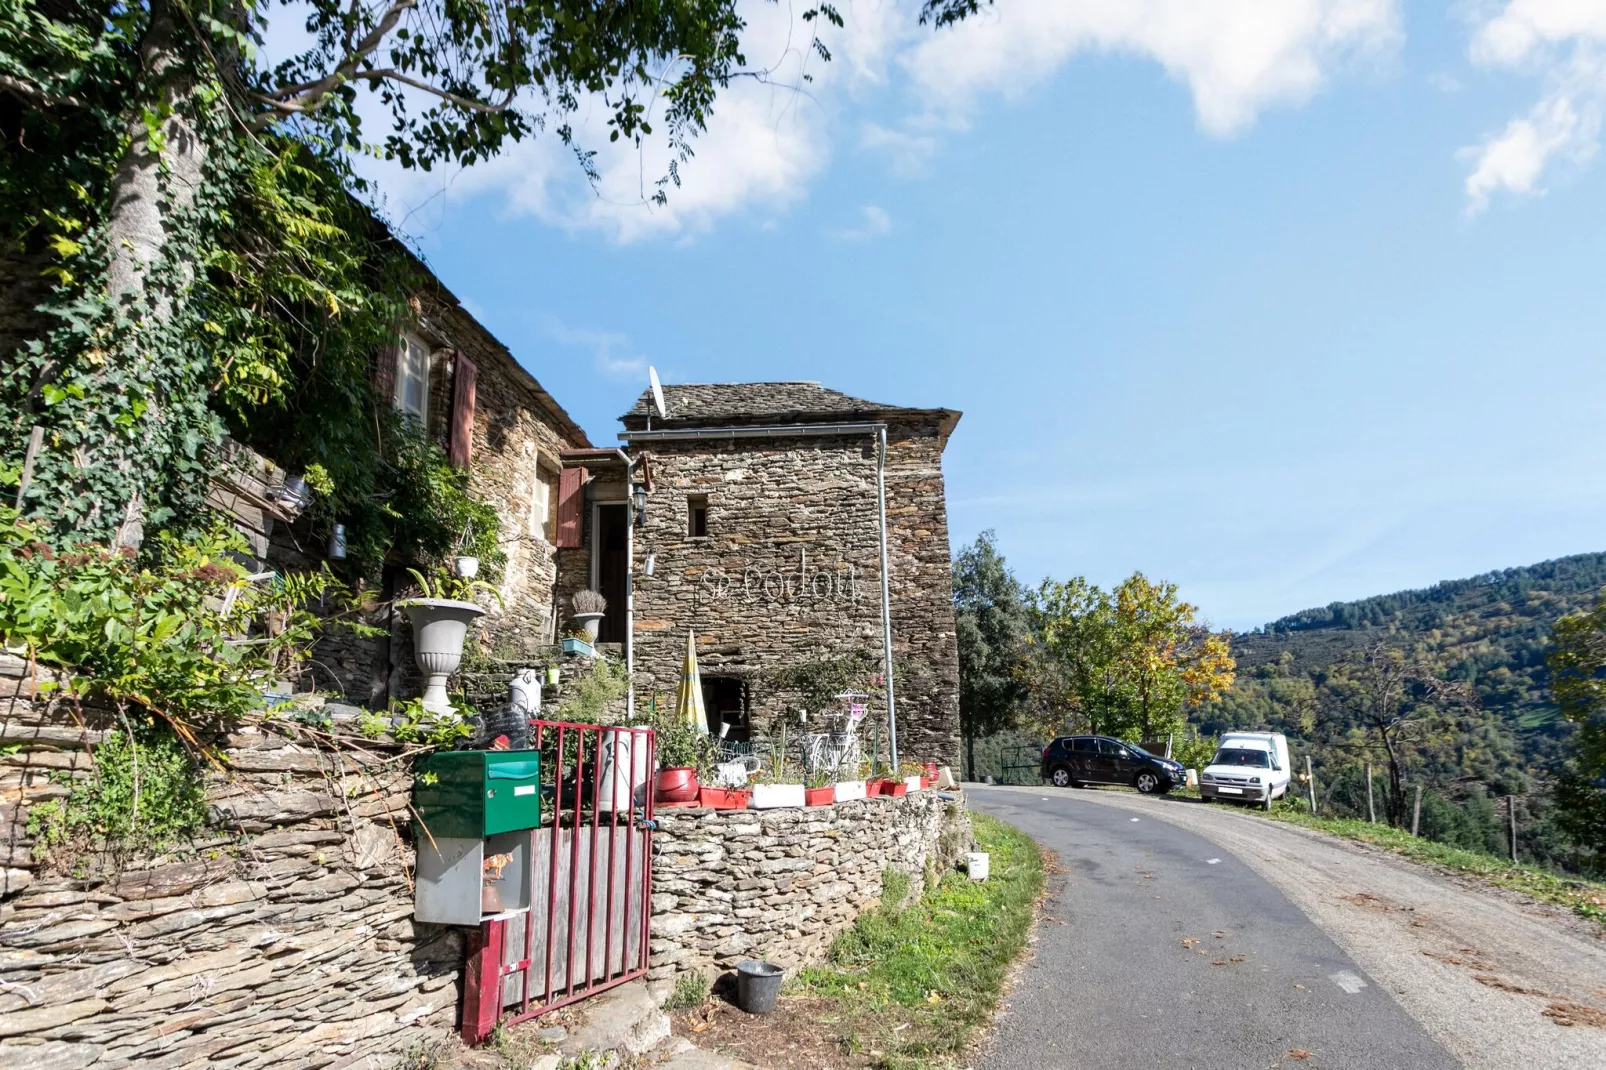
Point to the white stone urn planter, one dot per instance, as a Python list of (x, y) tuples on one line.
[(439, 627), (590, 622), (775, 796), (848, 790)]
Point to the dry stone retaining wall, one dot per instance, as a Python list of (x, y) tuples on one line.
[(284, 938), (781, 884)]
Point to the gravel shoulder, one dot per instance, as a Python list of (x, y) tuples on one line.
[(1498, 980)]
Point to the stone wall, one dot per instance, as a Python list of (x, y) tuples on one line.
[(781, 884), (283, 937), (791, 570)]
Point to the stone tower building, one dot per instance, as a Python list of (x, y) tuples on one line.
[(764, 506)]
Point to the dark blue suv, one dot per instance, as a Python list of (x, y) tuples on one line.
[(1072, 761)]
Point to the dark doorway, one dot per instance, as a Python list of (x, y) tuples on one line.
[(725, 700), (613, 533)]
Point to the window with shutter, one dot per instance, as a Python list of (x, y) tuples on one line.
[(463, 411), (571, 502), (411, 390)]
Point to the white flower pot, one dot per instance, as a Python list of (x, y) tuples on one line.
[(590, 622), (774, 796), (912, 783), (978, 864), (848, 790), (466, 567), (439, 627)]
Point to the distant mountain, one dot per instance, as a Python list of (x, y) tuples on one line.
[(1491, 631)]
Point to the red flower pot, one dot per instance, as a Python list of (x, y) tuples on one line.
[(892, 787), (927, 781), (676, 785), (872, 788), (931, 771), (724, 798), (820, 796)]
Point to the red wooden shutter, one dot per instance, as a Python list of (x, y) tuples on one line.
[(571, 497), (463, 411)]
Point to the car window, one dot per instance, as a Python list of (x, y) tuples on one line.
[(1110, 746), (1080, 744)]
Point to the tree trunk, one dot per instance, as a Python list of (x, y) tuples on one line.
[(156, 178), (1396, 799)]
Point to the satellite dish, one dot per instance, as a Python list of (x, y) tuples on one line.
[(657, 393)]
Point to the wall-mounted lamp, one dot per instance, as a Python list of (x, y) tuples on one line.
[(638, 492), (337, 543)]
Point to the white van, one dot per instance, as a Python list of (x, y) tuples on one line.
[(1248, 767)]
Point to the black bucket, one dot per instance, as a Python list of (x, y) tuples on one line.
[(757, 985)]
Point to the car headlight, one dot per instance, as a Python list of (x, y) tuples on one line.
[(1207, 776), (1254, 780)]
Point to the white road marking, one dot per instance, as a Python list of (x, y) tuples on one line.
[(1212, 861), (1348, 980)]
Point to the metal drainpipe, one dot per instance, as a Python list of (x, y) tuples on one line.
[(630, 590), (886, 592)]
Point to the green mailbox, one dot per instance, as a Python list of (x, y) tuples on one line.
[(471, 794)]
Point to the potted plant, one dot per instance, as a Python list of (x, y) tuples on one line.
[(722, 795), (440, 620), (819, 789), (773, 789), (589, 607), (682, 750), (849, 789), (913, 775), (882, 782)]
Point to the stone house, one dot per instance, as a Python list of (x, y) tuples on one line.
[(492, 417), (751, 515)]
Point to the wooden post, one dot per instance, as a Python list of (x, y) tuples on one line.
[(1310, 781), (1511, 812), (1371, 806), (1416, 814), (36, 439)]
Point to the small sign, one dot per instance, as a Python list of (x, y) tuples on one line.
[(524, 789)]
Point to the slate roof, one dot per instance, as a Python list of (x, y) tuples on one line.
[(718, 404)]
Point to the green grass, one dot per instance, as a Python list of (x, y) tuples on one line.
[(1587, 898), (911, 984)]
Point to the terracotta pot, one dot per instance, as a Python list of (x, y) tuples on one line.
[(820, 796), (677, 784), (723, 798)]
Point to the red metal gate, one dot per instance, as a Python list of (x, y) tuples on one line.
[(601, 814)]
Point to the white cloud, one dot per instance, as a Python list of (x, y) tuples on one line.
[(1564, 41), (769, 139), (611, 350), (1237, 57), (875, 223), (908, 153)]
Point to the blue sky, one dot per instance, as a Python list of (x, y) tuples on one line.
[(1285, 312)]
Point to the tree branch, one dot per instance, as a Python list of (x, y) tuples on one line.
[(307, 96), (34, 94)]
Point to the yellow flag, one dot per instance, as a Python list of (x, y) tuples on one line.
[(689, 706)]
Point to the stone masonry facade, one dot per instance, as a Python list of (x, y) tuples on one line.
[(789, 569), (781, 884)]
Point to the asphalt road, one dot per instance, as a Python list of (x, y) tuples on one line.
[(1160, 949)]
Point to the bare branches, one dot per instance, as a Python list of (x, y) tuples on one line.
[(307, 96)]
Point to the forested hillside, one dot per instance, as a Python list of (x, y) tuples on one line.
[(1490, 631)]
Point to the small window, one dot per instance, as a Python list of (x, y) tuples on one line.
[(412, 378), (697, 516), (1110, 747), (1082, 745)]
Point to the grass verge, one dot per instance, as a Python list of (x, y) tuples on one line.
[(910, 985), (1587, 898)]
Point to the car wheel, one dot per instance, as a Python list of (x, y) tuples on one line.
[(1060, 777), (1147, 783)]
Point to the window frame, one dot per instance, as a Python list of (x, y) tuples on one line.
[(407, 343), (697, 505)]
